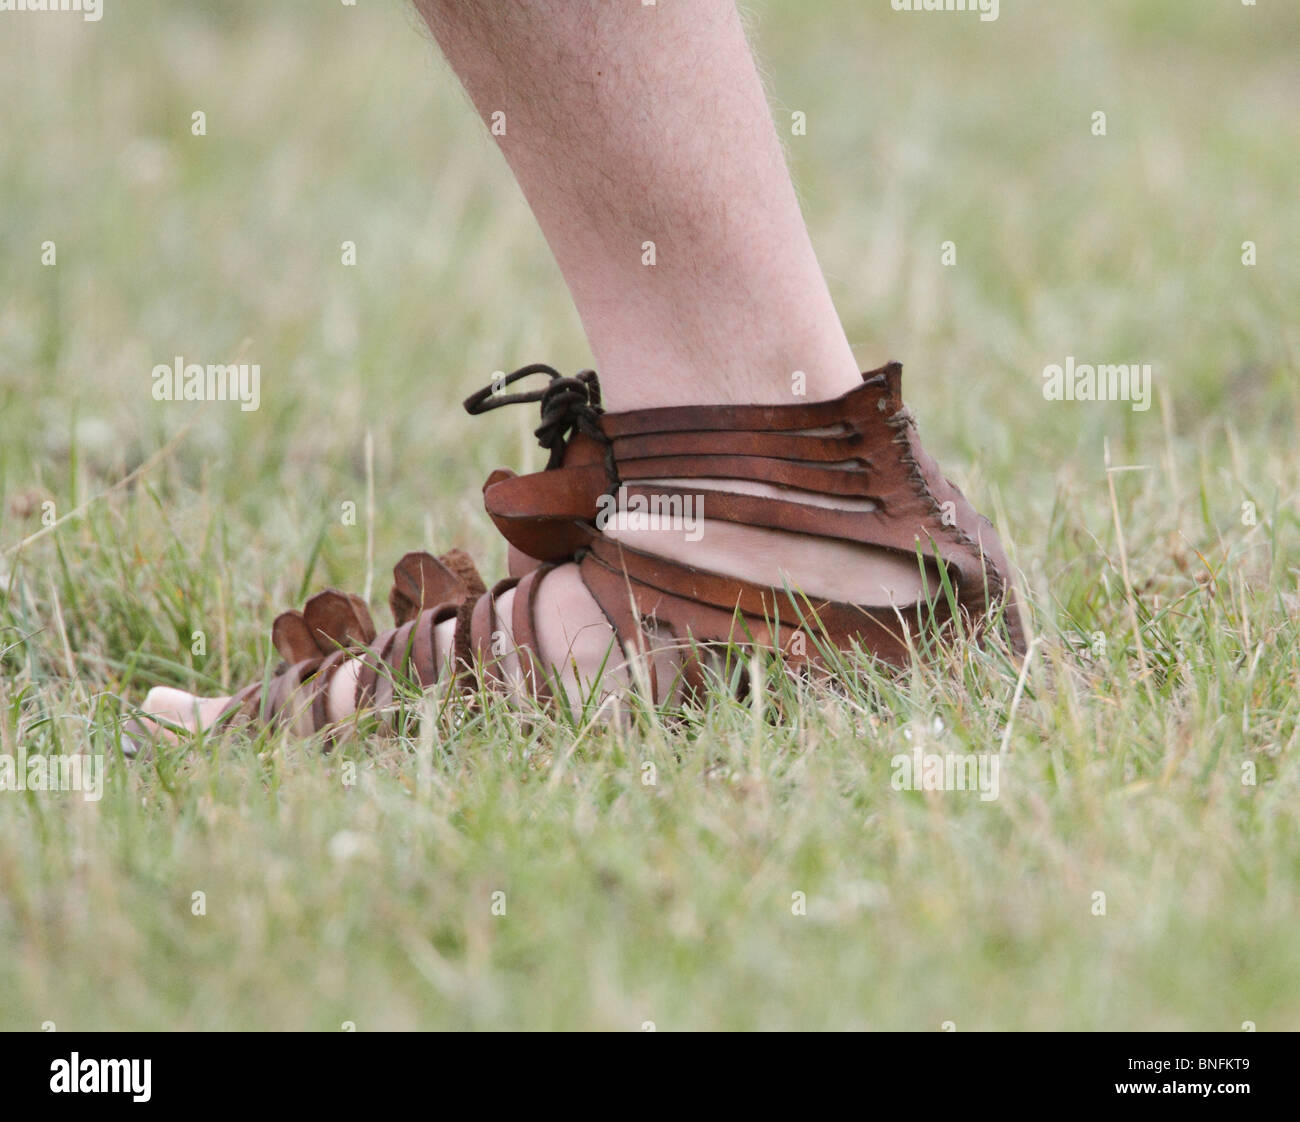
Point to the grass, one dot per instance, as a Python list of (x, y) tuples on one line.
[(372, 901)]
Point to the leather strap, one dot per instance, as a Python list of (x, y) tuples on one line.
[(856, 456), (523, 624)]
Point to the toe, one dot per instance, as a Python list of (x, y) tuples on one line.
[(181, 708)]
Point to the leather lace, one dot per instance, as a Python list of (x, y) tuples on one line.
[(569, 405)]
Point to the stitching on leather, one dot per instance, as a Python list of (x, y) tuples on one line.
[(902, 421)]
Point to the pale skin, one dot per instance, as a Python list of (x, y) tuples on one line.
[(626, 124)]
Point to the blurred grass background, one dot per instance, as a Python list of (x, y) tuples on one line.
[(328, 123)]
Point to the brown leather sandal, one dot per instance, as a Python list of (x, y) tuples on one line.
[(850, 469), (854, 471)]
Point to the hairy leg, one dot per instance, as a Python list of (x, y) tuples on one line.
[(629, 123)]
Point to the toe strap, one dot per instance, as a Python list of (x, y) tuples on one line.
[(422, 581), (328, 621)]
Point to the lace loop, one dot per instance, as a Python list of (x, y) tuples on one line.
[(569, 405)]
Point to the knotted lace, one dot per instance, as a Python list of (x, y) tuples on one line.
[(569, 405)]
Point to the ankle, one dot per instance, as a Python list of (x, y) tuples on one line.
[(648, 378)]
